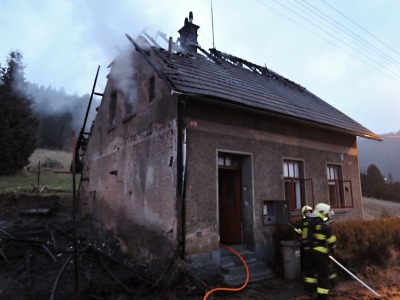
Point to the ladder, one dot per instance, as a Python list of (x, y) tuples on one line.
[(83, 137)]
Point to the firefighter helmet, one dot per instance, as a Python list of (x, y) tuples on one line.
[(304, 209), (323, 209)]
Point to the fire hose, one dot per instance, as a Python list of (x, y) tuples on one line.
[(354, 276), (226, 289)]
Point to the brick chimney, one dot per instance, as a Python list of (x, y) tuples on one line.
[(188, 35)]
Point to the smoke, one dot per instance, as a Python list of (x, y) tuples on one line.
[(124, 76), (49, 102)]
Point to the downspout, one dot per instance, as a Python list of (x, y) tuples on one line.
[(181, 171), (184, 193)]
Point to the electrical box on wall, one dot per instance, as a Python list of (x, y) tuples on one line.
[(275, 212)]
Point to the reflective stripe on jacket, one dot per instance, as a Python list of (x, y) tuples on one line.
[(323, 239), (307, 230)]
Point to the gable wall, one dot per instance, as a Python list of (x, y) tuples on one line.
[(131, 166)]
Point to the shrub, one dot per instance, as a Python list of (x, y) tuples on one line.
[(52, 164), (393, 227), (362, 243)]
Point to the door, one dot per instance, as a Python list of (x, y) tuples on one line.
[(230, 221)]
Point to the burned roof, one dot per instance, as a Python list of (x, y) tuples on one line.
[(233, 80)]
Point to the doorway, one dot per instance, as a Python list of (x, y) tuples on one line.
[(230, 217)]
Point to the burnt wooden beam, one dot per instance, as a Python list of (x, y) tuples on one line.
[(3, 255), (145, 56), (53, 291)]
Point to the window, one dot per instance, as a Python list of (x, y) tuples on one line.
[(230, 161), (129, 106), (294, 183), (112, 108), (128, 95), (335, 185), (152, 86)]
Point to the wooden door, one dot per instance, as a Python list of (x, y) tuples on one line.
[(230, 221)]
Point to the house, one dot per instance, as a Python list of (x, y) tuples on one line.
[(191, 149)]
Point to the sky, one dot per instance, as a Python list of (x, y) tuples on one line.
[(345, 52)]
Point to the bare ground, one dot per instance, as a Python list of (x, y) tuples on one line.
[(38, 261)]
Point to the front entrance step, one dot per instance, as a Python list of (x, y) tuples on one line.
[(233, 271)]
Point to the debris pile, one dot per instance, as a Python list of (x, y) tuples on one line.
[(39, 258)]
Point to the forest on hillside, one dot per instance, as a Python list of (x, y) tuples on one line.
[(59, 114), (385, 155), (36, 117)]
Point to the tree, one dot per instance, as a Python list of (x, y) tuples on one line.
[(373, 183), (55, 131), (18, 124), (390, 178)]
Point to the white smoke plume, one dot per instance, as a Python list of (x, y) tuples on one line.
[(123, 74)]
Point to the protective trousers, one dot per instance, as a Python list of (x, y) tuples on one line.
[(322, 268), (309, 276)]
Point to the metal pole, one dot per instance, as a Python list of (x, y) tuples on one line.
[(38, 181), (212, 23), (294, 228), (354, 276), (74, 205)]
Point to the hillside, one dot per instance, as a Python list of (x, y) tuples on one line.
[(385, 155), (376, 209), (59, 114), (63, 158), (54, 173)]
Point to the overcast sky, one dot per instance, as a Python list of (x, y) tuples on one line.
[(345, 52)]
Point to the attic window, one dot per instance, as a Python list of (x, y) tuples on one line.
[(152, 85), (129, 109), (112, 108), (128, 96)]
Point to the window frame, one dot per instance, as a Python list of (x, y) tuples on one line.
[(337, 187), (151, 89), (112, 108), (294, 183)]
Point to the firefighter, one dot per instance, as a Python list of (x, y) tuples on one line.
[(305, 212), (322, 244), (332, 270), (306, 240)]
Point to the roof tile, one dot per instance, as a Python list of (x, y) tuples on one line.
[(227, 78)]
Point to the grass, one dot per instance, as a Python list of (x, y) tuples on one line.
[(63, 157), (53, 179), (377, 209)]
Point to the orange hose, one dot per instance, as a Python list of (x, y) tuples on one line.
[(226, 289)]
